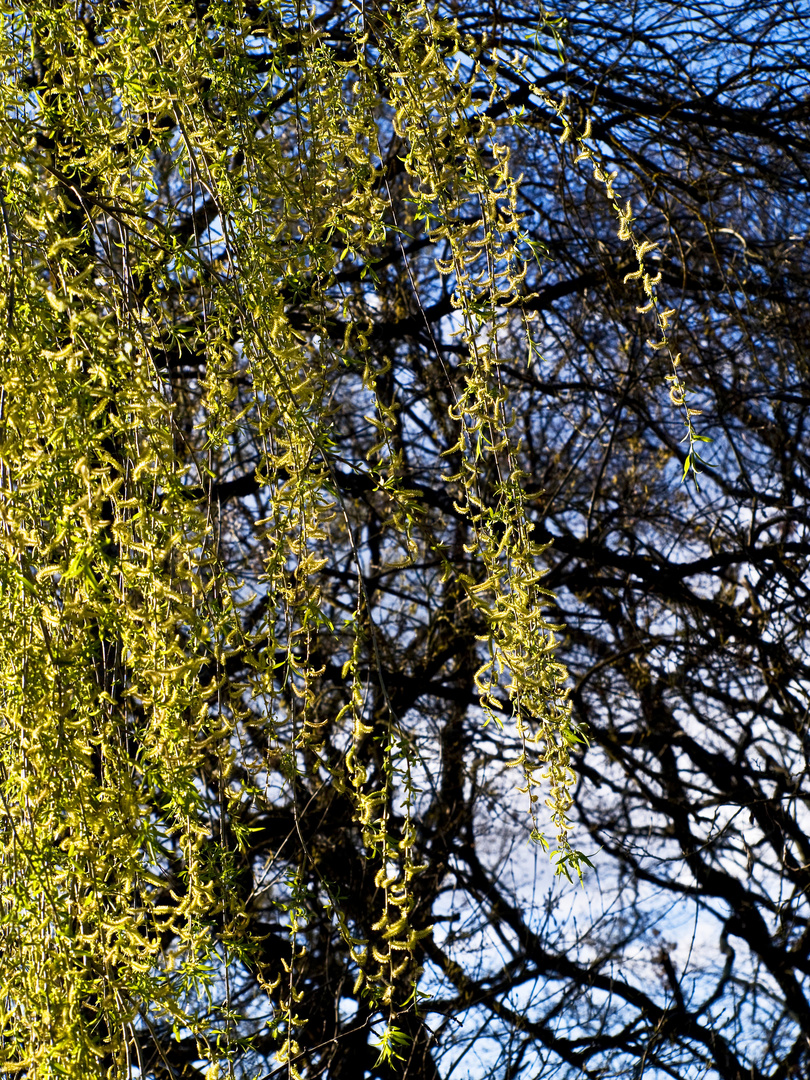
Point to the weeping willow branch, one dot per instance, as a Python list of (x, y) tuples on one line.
[(192, 203)]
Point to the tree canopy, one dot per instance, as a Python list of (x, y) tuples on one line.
[(350, 371)]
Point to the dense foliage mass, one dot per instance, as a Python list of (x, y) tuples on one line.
[(198, 205), (321, 324)]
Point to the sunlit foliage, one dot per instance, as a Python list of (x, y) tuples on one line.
[(197, 204)]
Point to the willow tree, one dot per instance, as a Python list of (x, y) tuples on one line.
[(199, 202)]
